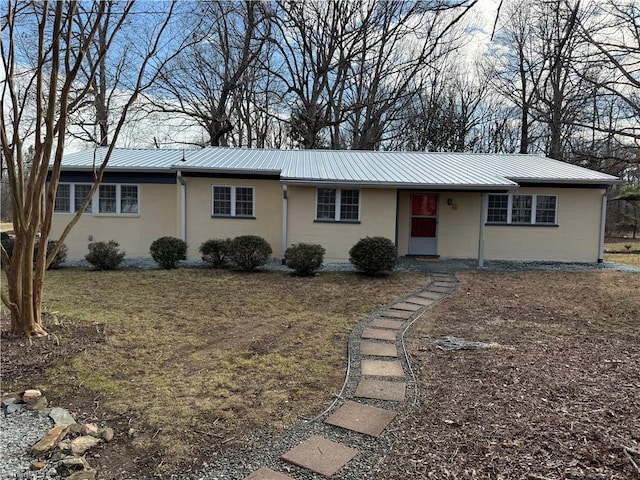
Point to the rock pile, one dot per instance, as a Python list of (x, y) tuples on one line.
[(62, 449)]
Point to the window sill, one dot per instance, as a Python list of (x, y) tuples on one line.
[(103, 215), (234, 217), (544, 225), (352, 222)]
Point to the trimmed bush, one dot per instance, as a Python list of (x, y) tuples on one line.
[(304, 258), (374, 255), (215, 252), (60, 257), (105, 255), (248, 252), (168, 251)]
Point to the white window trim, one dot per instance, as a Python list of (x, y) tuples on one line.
[(337, 216), (95, 200), (534, 204), (233, 201)]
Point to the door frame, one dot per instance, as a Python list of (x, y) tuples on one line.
[(433, 250)]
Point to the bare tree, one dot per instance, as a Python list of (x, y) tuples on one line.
[(613, 32), (401, 42), (38, 98), (203, 81)]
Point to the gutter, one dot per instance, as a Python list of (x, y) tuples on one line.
[(285, 216), (183, 205), (603, 223)]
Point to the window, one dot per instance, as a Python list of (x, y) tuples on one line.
[(522, 209), (231, 201), (339, 205), (546, 209), (80, 194), (128, 199), (498, 207), (109, 198), (62, 202)]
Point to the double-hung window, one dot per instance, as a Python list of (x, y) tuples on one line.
[(338, 205), (108, 199), (232, 201), (516, 209)]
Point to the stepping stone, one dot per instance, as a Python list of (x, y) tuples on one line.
[(320, 455), (381, 390), (430, 295), (377, 334), (411, 307), (391, 313), (425, 302), (382, 368), (267, 474), (442, 289), (361, 418), (383, 323), (378, 349), (442, 278)]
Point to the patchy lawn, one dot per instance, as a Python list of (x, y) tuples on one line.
[(558, 400), (188, 362)]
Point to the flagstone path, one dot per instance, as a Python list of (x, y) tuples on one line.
[(381, 375)]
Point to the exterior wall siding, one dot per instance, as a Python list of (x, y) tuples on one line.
[(157, 217), (575, 239), (201, 226), (377, 218)]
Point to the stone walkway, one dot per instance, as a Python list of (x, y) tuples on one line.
[(383, 380)]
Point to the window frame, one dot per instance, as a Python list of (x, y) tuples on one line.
[(337, 216), (94, 206), (533, 210), (233, 191)]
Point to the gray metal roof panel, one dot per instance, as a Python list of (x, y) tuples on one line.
[(355, 167), (124, 158)]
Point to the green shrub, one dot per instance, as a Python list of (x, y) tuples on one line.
[(60, 257), (215, 252), (374, 255), (304, 258), (248, 252), (168, 251), (105, 255)]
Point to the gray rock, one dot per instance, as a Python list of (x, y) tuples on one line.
[(14, 407), (61, 416)]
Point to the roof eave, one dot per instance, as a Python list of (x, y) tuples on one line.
[(400, 185), (568, 181), (226, 171)]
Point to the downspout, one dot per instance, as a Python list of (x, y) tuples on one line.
[(183, 206), (483, 221), (285, 216), (603, 224)]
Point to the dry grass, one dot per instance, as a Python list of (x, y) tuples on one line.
[(626, 258), (193, 360)]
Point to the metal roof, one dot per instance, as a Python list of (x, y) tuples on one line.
[(124, 159), (393, 169)]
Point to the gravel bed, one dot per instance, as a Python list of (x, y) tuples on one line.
[(19, 431), (405, 264)]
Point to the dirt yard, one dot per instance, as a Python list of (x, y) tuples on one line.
[(558, 399), (244, 355)]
